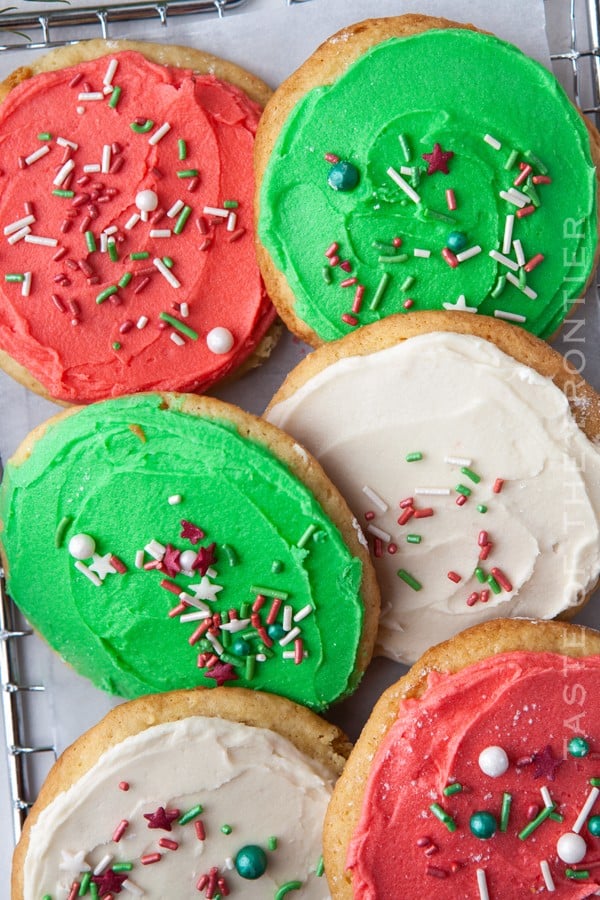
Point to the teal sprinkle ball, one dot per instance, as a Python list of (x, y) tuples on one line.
[(456, 241), (251, 862), (578, 746), (343, 176), (240, 647), (275, 631), (594, 826), (483, 825)]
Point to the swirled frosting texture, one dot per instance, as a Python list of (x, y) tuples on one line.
[(529, 704), (462, 404), (218, 521), (82, 348), (253, 780), (452, 88)]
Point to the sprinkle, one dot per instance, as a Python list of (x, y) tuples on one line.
[(397, 258), (404, 146), (106, 293), (547, 875), (407, 283), (63, 173), (302, 613), (61, 530), (522, 287), (177, 339), (112, 251), (541, 179), (450, 199), (184, 216), (286, 888), (480, 574), (332, 250), (534, 262), (468, 254), (81, 567), (494, 584), (120, 830), (25, 290), (193, 813), (482, 885), (511, 160), (441, 217), (40, 241), (381, 287), (505, 813), (501, 579), (19, 235), (458, 461), (451, 789), (472, 599), (586, 809), (168, 276), (408, 190), (168, 844), (482, 508), (216, 211), (176, 208), (509, 263), (409, 580), (14, 278), (378, 532), (115, 96), (159, 134), (307, 535), (443, 816), (492, 142), (37, 154), (508, 230), (511, 317), (414, 457), (525, 211), (450, 258), (519, 252), (454, 576), (135, 218), (511, 198), (269, 592), (187, 173), (425, 254), (535, 823), (375, 498), (160, 232), (236, 235), (433, 491), (19, 224)]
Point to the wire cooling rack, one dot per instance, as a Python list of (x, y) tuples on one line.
[(574, 35)]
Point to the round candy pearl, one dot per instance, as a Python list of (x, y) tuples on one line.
[(343, 176), (571, 848), (456, 241), (578, 746), (493, 761), (147, 200), (594, 826), (483, 825), (251, 862), (187, 559), (219, 340), (240, 647), (275, 632), (82, 546)]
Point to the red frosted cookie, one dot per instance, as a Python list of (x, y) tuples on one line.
[(126, 190), (477, 775)]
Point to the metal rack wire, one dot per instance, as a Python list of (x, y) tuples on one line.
[(577, 64)]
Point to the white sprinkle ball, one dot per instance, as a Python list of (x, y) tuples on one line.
[(493, 761), (146, 200), (571, 848), (219, 340), (82, 546), (187, 559)]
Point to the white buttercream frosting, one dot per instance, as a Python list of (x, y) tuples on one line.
[(251, 779), (459, 396)]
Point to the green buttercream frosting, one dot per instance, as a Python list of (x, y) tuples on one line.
[(110, 471), (495, 111)]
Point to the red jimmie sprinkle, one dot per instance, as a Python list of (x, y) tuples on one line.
[(201, 630), (150, 858), (485, 551), (168, 844), (370, 515), (358, 298), (484, 596), (349, 320), (525, 211), (378, 548), (346, 265), (177, 610), (392, 548), (332, 250), (258, 603), (123, 785), (501, 579), (199, 828), (348, 282), (541, 179), (424, 513), (406, 515), (483, 538), (461, 500), (275, 607), (498, 485), (332, 158), (435, 872), (472, 598), (526, 171), (408, 501), (454, 576), (118, 564), (397, 242), (450, 258), (298, 651), (534, 262), (170, 586), (120, 830), (408, 303), (334, 260), (450, 199), (73, 893)]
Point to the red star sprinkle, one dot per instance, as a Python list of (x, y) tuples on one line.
[(171, 560), (205, 559), (191, 532), (162, 818), (221, 672), (109, 882), (438, 160), (546, 764)]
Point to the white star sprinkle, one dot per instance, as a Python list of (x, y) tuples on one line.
[(102, 566), (73, 864), (235, 625), (205, 590), (461, 304)]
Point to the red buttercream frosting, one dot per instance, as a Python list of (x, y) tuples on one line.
[(529, 704), (55, 319)]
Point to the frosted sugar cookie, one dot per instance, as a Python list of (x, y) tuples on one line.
[(397, 171), (465, 448), (164, 541), (126, 190)]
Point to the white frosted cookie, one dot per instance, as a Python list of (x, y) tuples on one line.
[(188, 794), (476, 482)]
